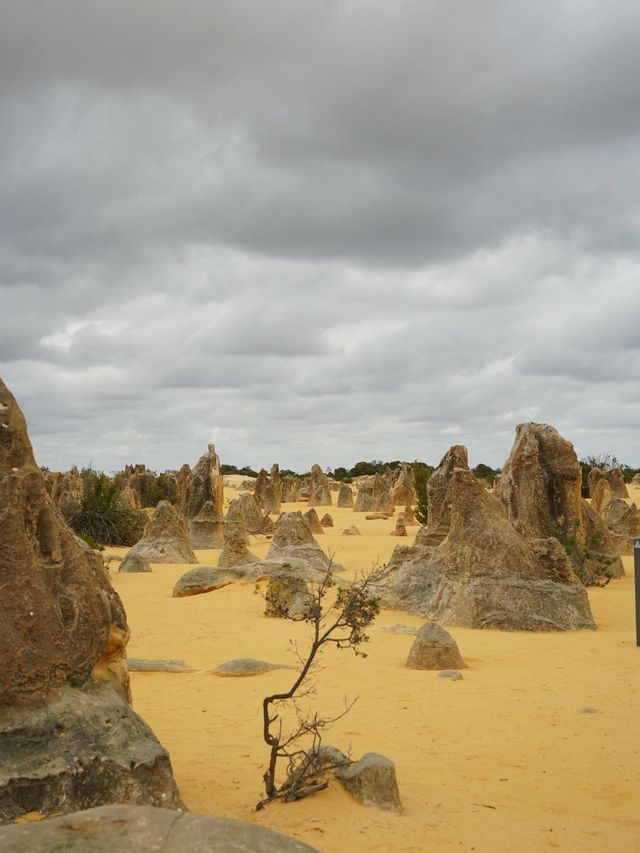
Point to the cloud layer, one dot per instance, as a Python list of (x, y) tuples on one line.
[(318, 231)]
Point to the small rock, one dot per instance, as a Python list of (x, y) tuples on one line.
[(588, 709), (434, 648), (450, 673), (154, 665), (134, 563), (373, 781), (326, 520), (242, 667), (202, 579), (352, 530), (400, 629)]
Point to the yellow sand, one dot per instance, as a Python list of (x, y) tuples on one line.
[(537, 748)]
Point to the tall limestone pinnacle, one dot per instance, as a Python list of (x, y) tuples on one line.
[(63, 675), (61, 618)]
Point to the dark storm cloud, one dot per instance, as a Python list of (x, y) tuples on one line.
[(318, 230)]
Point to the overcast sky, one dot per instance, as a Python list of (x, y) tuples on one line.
[(319, 230)]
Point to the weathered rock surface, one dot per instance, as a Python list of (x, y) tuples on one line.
[(319, 491), (203, 579), (206, 529), (66, 490), (373, 516), (374, 496), (485, 574), (128, 500), (247, 510), (235, 551), (623, 521), (403, 490), (352, 530), (157, 665), (204, 484), (244, 667), (434, 648), (311, 517), (78, 748), (541, 486), (165, 538), (345, 496), (292, 539), (400, 529), (134, 563), (59, 610), (290, 487), (372, 780), (268, 490), (615, 478), (437, 487), (409, 517), (601, 495), (143, 829), (326, 520), (288, 598)]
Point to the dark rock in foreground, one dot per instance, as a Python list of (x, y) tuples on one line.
[(79, 748), (143, 829)]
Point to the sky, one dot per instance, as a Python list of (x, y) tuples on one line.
[(319, 230)]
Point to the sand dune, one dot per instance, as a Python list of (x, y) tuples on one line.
[(537, 748)]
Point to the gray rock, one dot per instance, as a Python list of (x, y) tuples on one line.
[(485, 574), (143, 829), (202, 579), (373, 781), (319, 491), (134, 563), (400, 629), (242, 667), (235, 551), (451, 674), (293, 539), (206, 529), (165, 538), (154, 665), (434, 648), (287, 568), (77, 748), (374, 496), (345, 496)]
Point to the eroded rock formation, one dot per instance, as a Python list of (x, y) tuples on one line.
[(485, 574), (540, 488), (403, 489), (374, 496), (165, 538), (319, 491), (63, 637)]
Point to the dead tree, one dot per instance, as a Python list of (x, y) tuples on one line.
[(342, 624)]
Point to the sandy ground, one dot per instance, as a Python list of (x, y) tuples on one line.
[(537, 748)]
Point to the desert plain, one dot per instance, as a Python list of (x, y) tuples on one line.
[(536, 748)]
